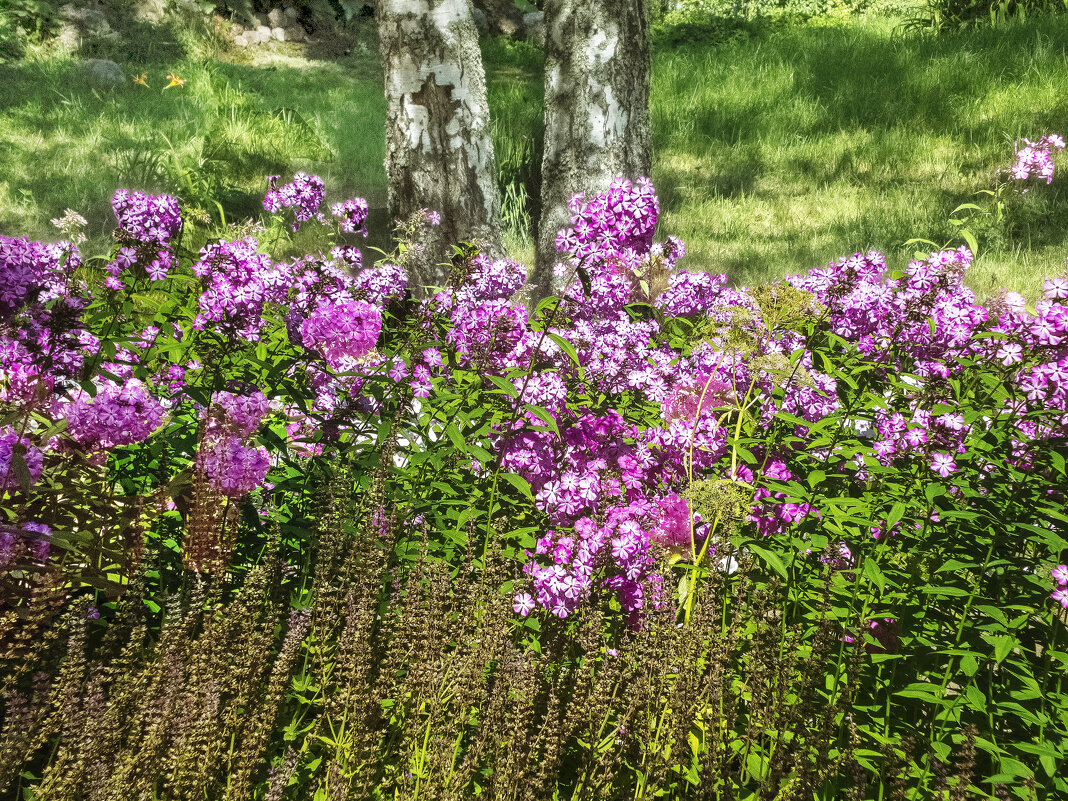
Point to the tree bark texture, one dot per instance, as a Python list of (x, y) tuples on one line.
[(439, 155), (596, 110)]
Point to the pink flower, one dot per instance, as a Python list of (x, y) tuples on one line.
[(523, 603), (1060, 595), (1060, 574), (942, 463), (1010, 353), (1055, 288)]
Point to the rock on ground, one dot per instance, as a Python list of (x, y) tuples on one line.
[(534, 27), (104, 74), (82, 22)]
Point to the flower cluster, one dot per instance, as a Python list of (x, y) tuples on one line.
[(618, 422), (353, 215), (342, 332), (30, 270), (29, 539), (380, 285), (238, 283), (1035, 159), (118, 415), (578, 558), (613, 222), (492, 280), (1060, 576), (149, 224), (241, 415), (232, 467), (303, 196), (147, 218)]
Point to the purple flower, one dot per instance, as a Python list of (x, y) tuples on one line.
[(116, 416), (1055, 288), (303, 196), (353, 215), (524, 604), (342, 332), (148, 218), (12, 445), (942, 463), (1060, 574), (231, 467), (1060, 595)]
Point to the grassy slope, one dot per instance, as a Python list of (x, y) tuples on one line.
[(772, 155), (777, 155)]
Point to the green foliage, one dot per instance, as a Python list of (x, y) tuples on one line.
[(19, 20), (943, 15)]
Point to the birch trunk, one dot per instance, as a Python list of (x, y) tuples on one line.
[(596, 110), (439, 155)]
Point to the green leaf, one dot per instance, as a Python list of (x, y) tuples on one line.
[(772, 559), (584, 279), (569, 349), (544, 415), (1002, 646), (519, 483), (874, 574), (455, 437), (948, 592), (931, 693), (506, 386), (896, 513), (22, 471)]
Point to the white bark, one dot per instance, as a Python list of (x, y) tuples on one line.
[(439, 154), (596, 109)]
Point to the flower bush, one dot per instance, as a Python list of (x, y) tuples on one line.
[(865, 463)]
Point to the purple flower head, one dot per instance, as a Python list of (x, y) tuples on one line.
[(1035, 159), (342, 332), (620, 219), (380, 285), (351, 256), (524, 604), (353, 215), (116, 416), (12, 447), (241, 414), (943, 464), (33, 271), (303, 196), (238, 283), (1060, 595), (1056, 288), (148, 218), (231, 467), (492, 280)]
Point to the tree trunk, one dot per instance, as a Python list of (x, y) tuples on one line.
[(439, 155), (596, 110)]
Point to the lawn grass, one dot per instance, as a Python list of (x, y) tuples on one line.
[(772, 154), (780, 154)]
